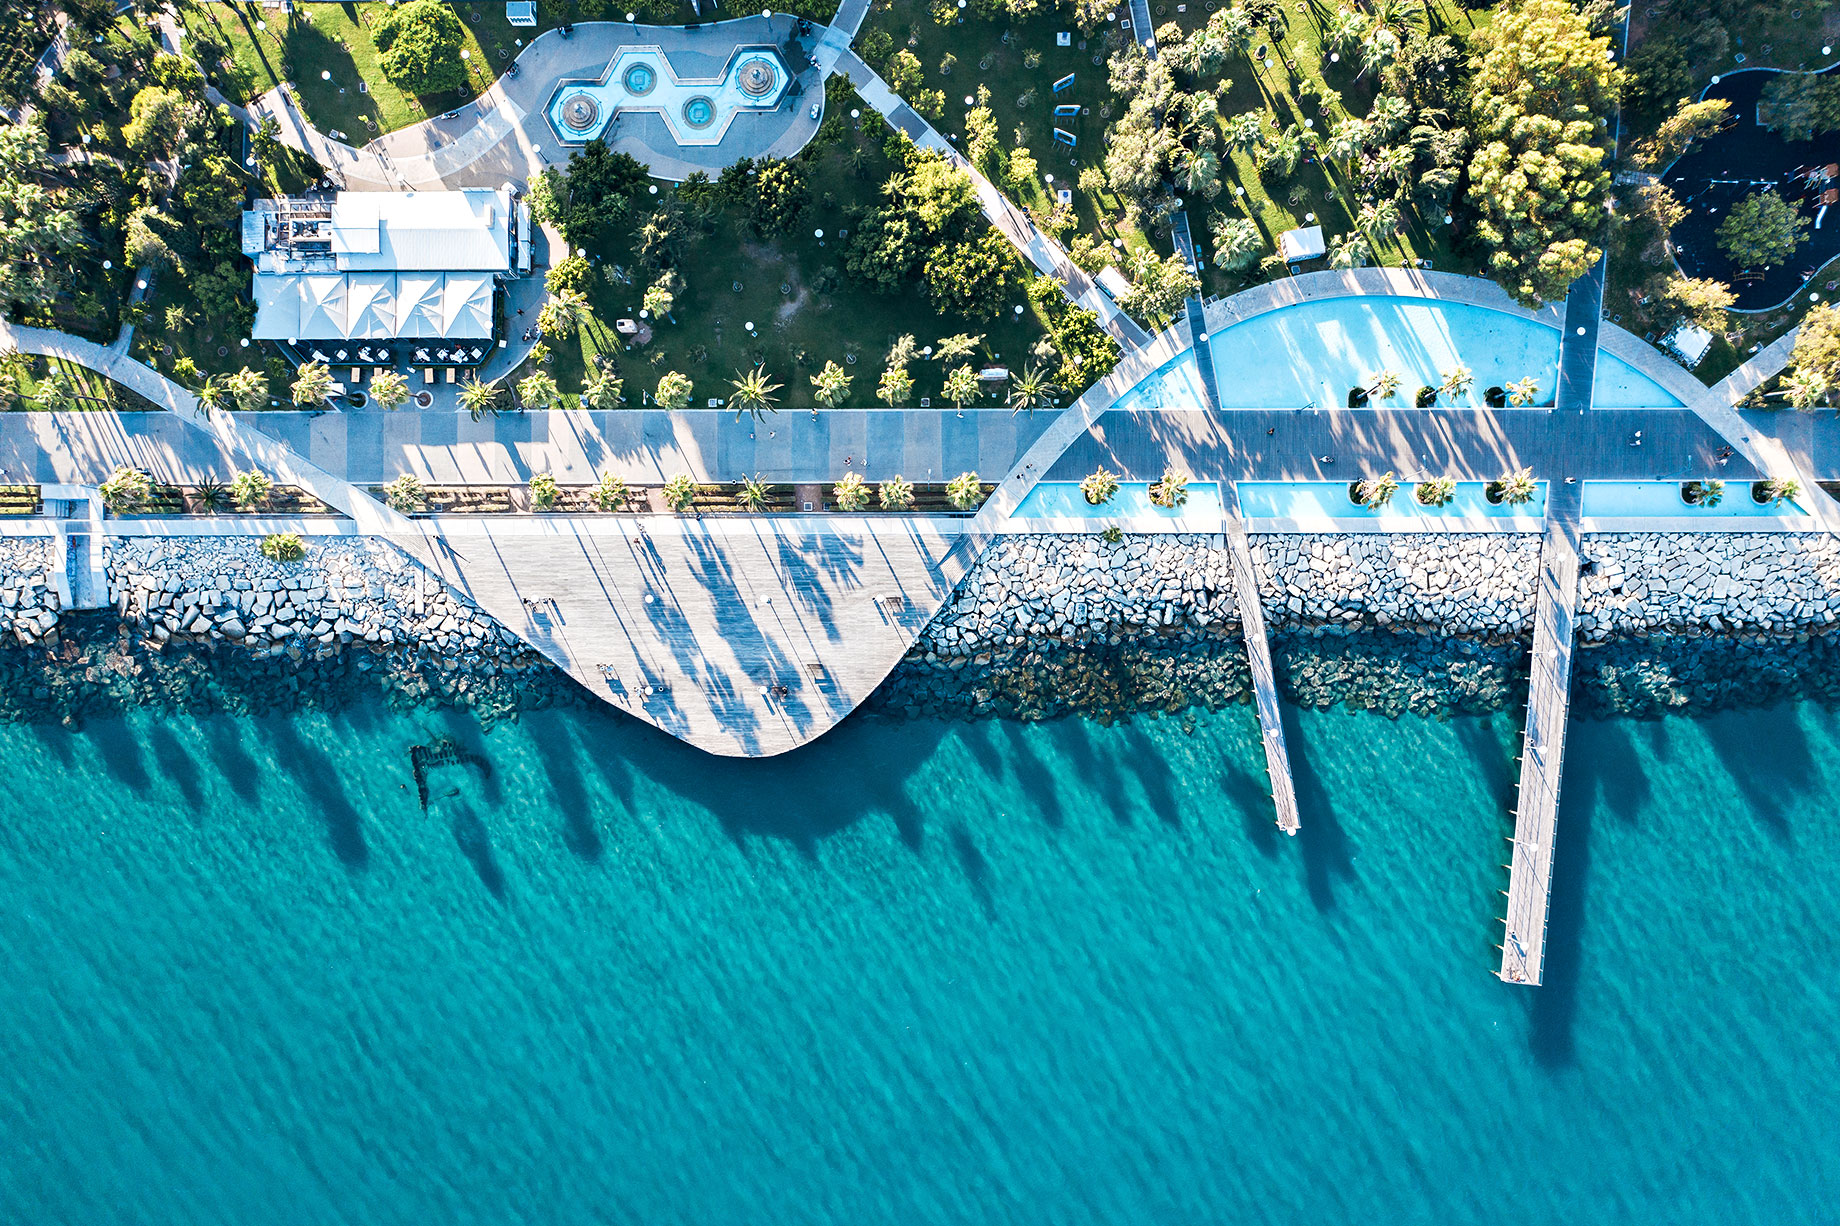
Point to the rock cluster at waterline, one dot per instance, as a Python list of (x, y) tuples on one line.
[(1648, 581), (28, 605), (1475, 583)]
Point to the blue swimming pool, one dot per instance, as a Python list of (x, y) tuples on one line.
[(1311, 354), (1662, 500), (1063, 500), (1315, 501)]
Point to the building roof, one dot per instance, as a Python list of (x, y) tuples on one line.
[(463, 231), (373, 306)]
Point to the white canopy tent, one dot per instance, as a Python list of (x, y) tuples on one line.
[(374, 306)]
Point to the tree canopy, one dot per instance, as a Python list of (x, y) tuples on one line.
[(932, 231), (36, 228), (1761, 230), (420, 44), (1543, 84)]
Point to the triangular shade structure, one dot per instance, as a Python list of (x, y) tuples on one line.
[(322, 312), (420, 304), (468, 306), (371, 306)]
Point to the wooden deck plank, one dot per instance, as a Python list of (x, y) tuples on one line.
[(1264, 676)]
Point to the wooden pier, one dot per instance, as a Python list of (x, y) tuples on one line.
[(1258, 655), (1549, 691)]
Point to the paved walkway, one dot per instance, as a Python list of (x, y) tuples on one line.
[(504, 134)]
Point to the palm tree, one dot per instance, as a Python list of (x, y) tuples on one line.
[(1373, 492), (831, 385), (1457, 380), (959, 345), (479, 398), (611, 493), (1030, 390), (1394, 162), (903, 351), (964, 492), (1099, 487), (753, 394), (390, 389), (1516, 487), (961, 385), (680, 493), (1346, 141), (659, 300), (753, 494), (1171, 491), (1385, 384), (896, 385), (312, 384), (602, 390), (127, 490), (674, 390), (538, 391), (404, 494), (1779, 489), (851, 493), (1389, 114), (213, 393), (897, 494), (249, 490), (1347, 28), (249, 388), (55, 391), (544, 491), (1523, 392), (1436, 492), (1350, 251), (1283, 153), (564, 314), (1378, 220)]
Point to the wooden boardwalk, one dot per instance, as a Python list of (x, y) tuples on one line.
[(1264, 678), (1536, 817)]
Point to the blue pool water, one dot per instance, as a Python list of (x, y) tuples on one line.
[(1063, 500), (697, 111), (1311, 354), (1661, 499), (1315, 501), (923, 973)]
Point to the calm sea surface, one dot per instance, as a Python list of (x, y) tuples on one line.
[(982, 972)]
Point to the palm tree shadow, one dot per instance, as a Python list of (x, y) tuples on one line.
[(475, 843), (1327, 857)]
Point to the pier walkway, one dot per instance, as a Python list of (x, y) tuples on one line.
[(1258, 656), (1549, 691)]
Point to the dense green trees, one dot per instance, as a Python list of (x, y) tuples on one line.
[(1800, 105), (420, 44), (596, 189), (780, 195), (1544, 84), (37, 230), (932, 232), (1761, 230), (1690, 121)]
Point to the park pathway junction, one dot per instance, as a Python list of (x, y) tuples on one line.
[(751, 635)]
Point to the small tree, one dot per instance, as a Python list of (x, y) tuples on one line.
[(753, 394), (1780, 490), (753, 493), (1517, 487), (564, 314), (602, 390), (964, 492), (544, 492), (1100, 487), (897, 494), (851, 493), (1384, 385), (611, 494), (1376, 492), (405, 494), (1814, 363), (831, 385), (249, 388), (1238, 245), (537, 391), (390, 390), (896, 386), (127, 490), (1523, 392), (283, 547), (420, 44), (680, 493), (958, 346), (961, 385), (1762, 230), (1171, 491), (1029, 390), (479, 398), (312, 384), (674, 391), (1436, 492), (1457, 381), (250, 489)]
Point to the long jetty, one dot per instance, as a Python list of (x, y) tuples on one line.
[(1549, 692), (1258, 655)]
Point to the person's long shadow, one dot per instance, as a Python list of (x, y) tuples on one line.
[(175, 763)]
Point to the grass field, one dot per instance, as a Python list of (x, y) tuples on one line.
[(88, 391), (267, 47)]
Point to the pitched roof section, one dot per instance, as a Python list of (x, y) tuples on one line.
[(464, 231)]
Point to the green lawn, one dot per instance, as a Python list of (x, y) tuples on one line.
[(336, 39), (804, 308), (88, 390), (1023, 101)]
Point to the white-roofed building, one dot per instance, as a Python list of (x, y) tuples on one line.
[(383, 266)]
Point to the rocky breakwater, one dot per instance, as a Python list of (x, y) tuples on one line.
[(1475, 584), (1045, 625), (28, 603), (1749, 585)]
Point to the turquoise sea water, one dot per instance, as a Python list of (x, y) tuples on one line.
[(922, 972)]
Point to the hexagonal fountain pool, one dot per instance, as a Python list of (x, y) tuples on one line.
[(696, 110)]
